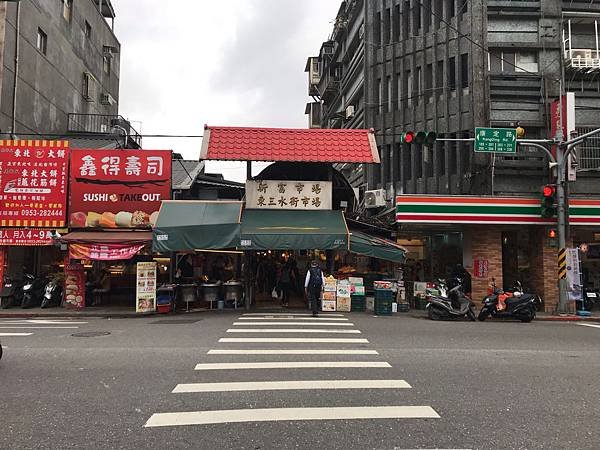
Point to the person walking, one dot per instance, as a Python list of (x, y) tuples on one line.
[(313, 286), (285, 284)]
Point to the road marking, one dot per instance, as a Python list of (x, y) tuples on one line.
[(589, 325), (293, 365), (290, 385), (289, 330), (15, 334), (290, 414), (292, 352), (21, 327), (41, 322), (304, 324), (290, 314), (298, 340), (340, 319)]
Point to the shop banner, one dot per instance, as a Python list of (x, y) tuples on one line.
[(104, 252), (278, 194), (3, 261), (25, 236), (118, 188), (33, 183), (146, 287), (574, 287), (74, 286)]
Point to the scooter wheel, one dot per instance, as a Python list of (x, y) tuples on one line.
[(434, 314), (528, 316), (483, 314), (471, 315)]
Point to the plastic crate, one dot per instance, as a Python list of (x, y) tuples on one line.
[(164, 309), (384, 294)]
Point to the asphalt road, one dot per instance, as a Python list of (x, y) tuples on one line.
[(492, 385)]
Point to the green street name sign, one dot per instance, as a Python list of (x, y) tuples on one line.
[(496, 140)]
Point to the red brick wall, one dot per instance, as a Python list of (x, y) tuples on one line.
[(486, 245), (544, 268)]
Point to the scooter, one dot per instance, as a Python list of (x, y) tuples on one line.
[(590, 298), (518, 305), (453, 306), (33, 291), (52, 294), (11, 293)]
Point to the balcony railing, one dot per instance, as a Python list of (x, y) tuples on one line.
[(102, 124), (583, 58)]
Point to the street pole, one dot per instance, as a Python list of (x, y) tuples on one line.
[(561, 225)]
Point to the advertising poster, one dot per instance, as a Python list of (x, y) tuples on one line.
[(118, 188), (574, 287), (74, 286), (481, 268), (104, 252), (33, 183), (278, 194), (25, 236), (145, 299)]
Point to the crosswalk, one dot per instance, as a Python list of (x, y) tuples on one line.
[(305, 373), (13, 327)]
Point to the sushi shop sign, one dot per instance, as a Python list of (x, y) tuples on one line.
[(280, 194), (118, 188)]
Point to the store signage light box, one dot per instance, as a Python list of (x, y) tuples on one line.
[(118, 188)]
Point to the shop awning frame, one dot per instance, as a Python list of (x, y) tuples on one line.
[(367, 245), (187, 225), (293, 230), (107, 237)]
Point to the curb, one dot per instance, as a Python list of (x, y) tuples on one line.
[(107, 315), (567, 318)]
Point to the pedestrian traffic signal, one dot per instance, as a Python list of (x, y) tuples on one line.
[(548, 201), (552, 234), (420, 137)]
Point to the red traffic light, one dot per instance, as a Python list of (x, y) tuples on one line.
[(408, 137), (549, 190)]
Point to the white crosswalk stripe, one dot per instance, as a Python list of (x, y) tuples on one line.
[(290, 330), (256, 323), (293, 365), (14, 334), (591, 325)]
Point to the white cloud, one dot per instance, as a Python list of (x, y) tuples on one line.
[(239, 62)]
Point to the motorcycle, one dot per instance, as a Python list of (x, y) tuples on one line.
[(11, 293), (590, 298), (33, 291), (52, 294), (454, 305), (518, 305)]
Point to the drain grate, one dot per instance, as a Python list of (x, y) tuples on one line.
[(176, 321), (91, 334)]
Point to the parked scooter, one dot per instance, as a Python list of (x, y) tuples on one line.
[(11, 293), (455, 305), (52, 294), (518, 305), (591, 298), (33, 291)]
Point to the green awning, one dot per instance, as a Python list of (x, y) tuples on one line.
[(367, 245), (197, 225), (293, 230)]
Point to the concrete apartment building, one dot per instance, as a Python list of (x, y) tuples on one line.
[(449, 66), (59, 66)]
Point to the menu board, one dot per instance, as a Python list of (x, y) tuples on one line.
[(74, 286), (145, 287)]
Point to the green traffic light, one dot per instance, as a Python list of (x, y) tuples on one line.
[(420, 137)]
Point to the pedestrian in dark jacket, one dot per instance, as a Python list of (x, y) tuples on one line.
[(313, 286)]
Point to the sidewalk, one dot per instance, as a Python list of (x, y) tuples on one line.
[(114, 312)]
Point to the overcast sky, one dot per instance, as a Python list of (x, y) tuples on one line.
[(197, 62)]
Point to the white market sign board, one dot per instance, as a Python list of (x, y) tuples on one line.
[(279, 194)]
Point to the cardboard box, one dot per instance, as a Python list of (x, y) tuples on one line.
[(330, 285), (394, 307), (343, 291), (358, 290), (343, 304), (328, 305), (329, 296), (357, 281), (382, 285)]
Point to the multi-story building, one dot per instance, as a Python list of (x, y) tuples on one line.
[(450, 66)]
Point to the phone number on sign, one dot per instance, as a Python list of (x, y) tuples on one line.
[(41, 213)]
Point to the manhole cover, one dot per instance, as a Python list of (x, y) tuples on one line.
[(91, 334), (176, 321)]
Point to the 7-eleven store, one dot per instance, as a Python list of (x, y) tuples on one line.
[(503, 238)]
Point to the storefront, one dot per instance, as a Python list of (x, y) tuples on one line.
[(502, 238)]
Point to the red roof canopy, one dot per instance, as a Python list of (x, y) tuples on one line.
[(284, 144)]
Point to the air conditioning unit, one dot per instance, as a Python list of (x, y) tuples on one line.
[(107, 99), (110, 49), (103, 128), (349, 112), (375, 198)]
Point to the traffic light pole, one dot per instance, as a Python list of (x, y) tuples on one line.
[(561, 225)]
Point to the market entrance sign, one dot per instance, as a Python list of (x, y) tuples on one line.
[(495, 140), (285, 194)]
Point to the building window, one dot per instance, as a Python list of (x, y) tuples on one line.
[(67, 10), (440, 155), (409, 88), (378, 94), (429, 82), (452, 73), (405, 20), (464, 70), (427, 15), (417, 18), (511, 62), (400, 88), (438, 11), (439, 77), (397, 21), (377, 30), (390, 100), (88, 30), (42, 41), (450, 11), (106, 63), (419, 85), (387, 26), (526, 62)]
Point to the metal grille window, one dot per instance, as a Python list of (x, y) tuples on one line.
[(588, 153)]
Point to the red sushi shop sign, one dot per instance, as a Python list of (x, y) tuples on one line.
[(33, 183), (118, 188)]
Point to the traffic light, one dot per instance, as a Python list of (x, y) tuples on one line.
[(552, 234), (420, 137), (549, 201)]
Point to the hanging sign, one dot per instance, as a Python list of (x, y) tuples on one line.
[(574, 288), (118, 188), (74, 285), (33, 183), (146, 287), (279, 194), (25, 236), (481, 268), (104, 252)]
